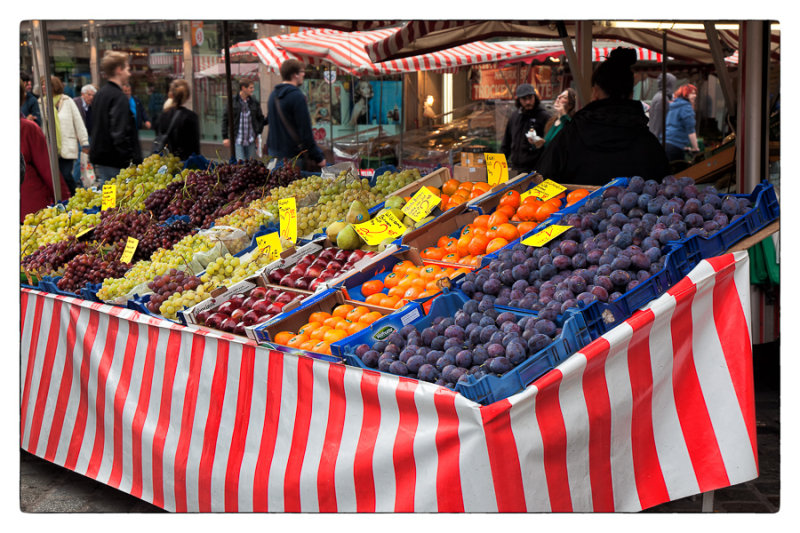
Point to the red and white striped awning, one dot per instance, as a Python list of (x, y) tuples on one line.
[(266, 50), (190, 420)]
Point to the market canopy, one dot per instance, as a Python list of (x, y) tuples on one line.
[(423, 36), (239, 70), (347, 51)]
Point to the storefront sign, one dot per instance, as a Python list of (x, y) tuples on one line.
[(500, 83), (197, 33)]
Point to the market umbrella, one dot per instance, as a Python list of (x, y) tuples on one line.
[(239, 70)]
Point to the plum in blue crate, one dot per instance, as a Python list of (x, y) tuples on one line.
[(476, 341)]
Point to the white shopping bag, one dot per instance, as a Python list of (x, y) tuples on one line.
[(87, 171)]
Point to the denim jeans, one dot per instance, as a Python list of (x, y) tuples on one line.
[(65, 167), (243, 152), (103, 173)]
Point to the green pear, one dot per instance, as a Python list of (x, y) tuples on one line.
[(334, 229), (395, 202), (348, 239), (357, 213)]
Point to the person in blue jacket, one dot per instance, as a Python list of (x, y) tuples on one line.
[(290, 133), (30, 107), (680, 132)]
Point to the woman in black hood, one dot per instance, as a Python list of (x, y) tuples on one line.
[(609, 138)]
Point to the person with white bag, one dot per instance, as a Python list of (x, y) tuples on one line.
[(71, 131)]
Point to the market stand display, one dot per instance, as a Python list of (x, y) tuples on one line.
[(575, 325)]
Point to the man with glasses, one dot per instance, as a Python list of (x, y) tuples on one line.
[(290, 135), (248, 121)]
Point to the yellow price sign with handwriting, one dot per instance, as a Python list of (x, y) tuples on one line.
[(287, 211), (544, 191), (546, 235), (270, 244), (421, 204), (84, 232), (109, 200), (496, 168), (382, 227), (130, 249)]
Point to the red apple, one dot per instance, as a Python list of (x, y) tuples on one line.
[(288, 280), (228, 307), (239, 329), (202, 316), (215, 320), (229, 325), (303, 283), (237, 314), (258, 292), (315, 284), (261, 306), (314, 270), (341, 256), (276, 275), (251, 317), (327, 254), (274, 308), (249, 302), (335, 265), (272, 294), (284, 298), (358, 254), (238, 299)]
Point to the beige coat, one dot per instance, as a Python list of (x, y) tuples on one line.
[(72, 128)]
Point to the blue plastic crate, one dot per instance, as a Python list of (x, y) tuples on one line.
[(89, 292), (379, 172), (489, 389), (139, 304)]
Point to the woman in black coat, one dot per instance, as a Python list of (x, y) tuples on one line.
[(183, 139), (609, 138)]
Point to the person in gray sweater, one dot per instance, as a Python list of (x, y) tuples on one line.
[(659, 109)]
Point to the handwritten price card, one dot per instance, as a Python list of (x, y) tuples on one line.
[(546, 235), (109, 197), (382, 227), (84, 232), (270, 244), (287, 211), (130, 249), (421, 204), (544, 191), (496, 168)]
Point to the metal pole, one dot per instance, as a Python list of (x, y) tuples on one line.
[(188, 63), (664, 101), (330, 105), (751, 141), (226, 44), (42, 56), (722, 70), (94, 68)]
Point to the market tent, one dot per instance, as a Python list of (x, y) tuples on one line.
[(421, 36), (265, 49), (240, 70)]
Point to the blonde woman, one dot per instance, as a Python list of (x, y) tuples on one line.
[(71, 132)]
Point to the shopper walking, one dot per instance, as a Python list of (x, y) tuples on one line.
[(524, 136), (681, 136), (71, 132), (608, 138), (290, 135), (138, 110), (180, 124), (30, 105), (248, 122), (659, 108), (565, 108), (84, 105), (114, 138), (36, 189)]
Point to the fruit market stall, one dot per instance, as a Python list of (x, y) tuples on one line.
[(239, 337)]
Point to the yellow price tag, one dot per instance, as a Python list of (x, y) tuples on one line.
[(109, 197), (421, 204), (546, 235), (287, 211), (382, 227), (270, 244), (496, 168), (544, 191), (83, 232), (130, 249)]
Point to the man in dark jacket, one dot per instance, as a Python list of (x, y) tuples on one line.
[(609, 137), (114, 138), (248, 122), (290, 133), (521, 144)]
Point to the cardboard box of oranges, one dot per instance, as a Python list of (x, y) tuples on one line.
[(317, 322), (453, 192)]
